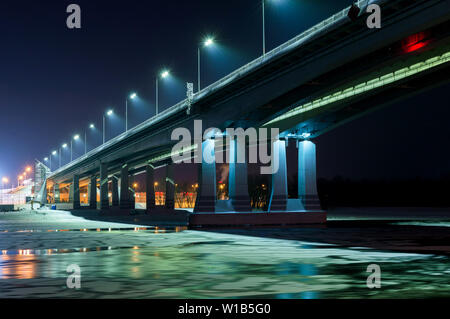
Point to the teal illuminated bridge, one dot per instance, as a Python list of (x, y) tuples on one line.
[(330, 74)]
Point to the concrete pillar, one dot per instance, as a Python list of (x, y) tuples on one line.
[(124, 188), (93, 193), (307, 180), (132, 192), (170, 188), (76, 192), (150, 187), (115, 191), (44, 196), (71, 190), (238, 180), (279, 194), (56, 193), (206, 196), (104, 200)]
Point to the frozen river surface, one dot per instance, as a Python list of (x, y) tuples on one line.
[(135, 261)]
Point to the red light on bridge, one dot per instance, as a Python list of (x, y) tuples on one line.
[(415, 42)]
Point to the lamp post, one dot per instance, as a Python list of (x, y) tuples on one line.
[(264, 26), (91, 126), (75, 138), (164, 74), (132, 97), (109, 113), (54, 154), (208, 42), (63, 146)]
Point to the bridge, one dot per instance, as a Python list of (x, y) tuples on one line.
[(329, 75)]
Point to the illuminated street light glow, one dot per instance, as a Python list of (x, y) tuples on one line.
[(133, 96), (208, 42), (5, 180), (76, 137), (28, 169), (165, 74), (46, 159), (54, 152), (92, 126), (64, 145), (109, 113)]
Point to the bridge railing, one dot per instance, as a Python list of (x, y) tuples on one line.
[(294, 42), (283, 48)]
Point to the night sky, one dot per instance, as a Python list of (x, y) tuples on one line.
[(55, 81)]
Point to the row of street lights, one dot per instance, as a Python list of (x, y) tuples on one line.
[(208, 42), (163, 75)]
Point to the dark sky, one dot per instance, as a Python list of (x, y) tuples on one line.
[(55, 81)]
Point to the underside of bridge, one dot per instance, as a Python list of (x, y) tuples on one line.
[(310, 86)]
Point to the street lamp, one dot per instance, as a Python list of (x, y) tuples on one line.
[(206, 43), (163, 75), (91, 126), (264, 25), (132, 97), (52, 154), (109, 113), (63, 146), (19, 178), (75, 138)]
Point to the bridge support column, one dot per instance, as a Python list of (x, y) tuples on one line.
[(124, 188), (206, 196), (56, 193), (71, 192), (150, 187), (307, 181), (93, 193), (170, 187), (104, 200), (115, 191), (279, 194), (238, 179), (132, 192), (76, 192)]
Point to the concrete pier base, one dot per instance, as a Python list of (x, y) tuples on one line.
[(124, 188), (93, 193), (238, 179), (207, 220), (206, 200), (76, 192)]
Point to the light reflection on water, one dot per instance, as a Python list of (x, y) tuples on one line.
[(210, 265)]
